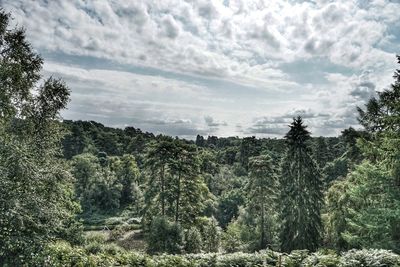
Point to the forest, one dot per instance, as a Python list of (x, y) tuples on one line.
[(78, 193)]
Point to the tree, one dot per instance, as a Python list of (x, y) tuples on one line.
[(374, 209), (211, 233), (97, 186), (200, 141), (157, 163), (127, 173), (165, 236), (301, 192), (193, 240), (36, 197), (189, 189), (75, 142), (321, 153), (374, 185), (249, 147), (228, 206), (337, 211), (382, 114), (334, 170), (261, 193)]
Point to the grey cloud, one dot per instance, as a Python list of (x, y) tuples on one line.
[(212, 123), (278, 125), (208, 10), (305, 114), (171, 27), (364, 90)]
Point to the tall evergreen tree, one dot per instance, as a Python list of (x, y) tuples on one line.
[(188, 188), (158, 161), (261, 193), (301, 192)]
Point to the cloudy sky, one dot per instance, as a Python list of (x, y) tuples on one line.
[(226, 68)]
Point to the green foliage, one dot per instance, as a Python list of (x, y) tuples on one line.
[(62, 254), (261, 194), (127, 173), (335, 169), (118, 232), (231, 238), (370, 258), (228, 206), (193, 240), (301, 193), (175, 187), (165, 237), (36, 196), (375, 209), (320, 152), (211, 233), (321, 259), (97, 186), (336, 207)]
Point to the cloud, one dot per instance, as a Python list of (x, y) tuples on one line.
[(171, 27), (212, 123), (211, 65), (208, 35)]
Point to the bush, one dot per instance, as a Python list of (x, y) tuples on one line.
[(165, 236), (370, 258), (231, 238), (193, 240), (63, 254), (118, 232), (320, 259), (95, 237), (295, 258), (211, 233)]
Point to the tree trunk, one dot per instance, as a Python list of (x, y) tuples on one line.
[(263, 241), (178, 197), (162, 191)]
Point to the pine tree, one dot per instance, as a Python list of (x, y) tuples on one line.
[(188, 185), (301, 192), (261, 193), (158, 161)]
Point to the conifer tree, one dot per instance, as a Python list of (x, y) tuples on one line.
[(301, 192), (158, 162), (261, 192), (187, 185)]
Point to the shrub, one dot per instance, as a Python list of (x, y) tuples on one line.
[(95, 237), (295, 258), (370, 258), (172, 260), (231, 238), (63, 254), (193, 241), (165, 236), (211, 234), (118, 232), (320, 259)]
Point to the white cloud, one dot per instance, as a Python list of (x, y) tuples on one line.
[(238, 43)]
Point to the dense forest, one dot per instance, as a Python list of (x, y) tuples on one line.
[(78, 193)]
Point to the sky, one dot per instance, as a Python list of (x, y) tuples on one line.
[(225, 68)]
